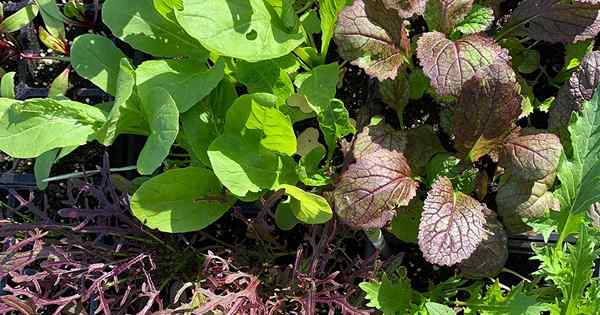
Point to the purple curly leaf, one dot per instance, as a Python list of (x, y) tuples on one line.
[(577, 90), (443, 15), (532, 154), (452, 225), (449, 64), (361, 37), (368, 192), (556, 21), (491, 254), (487, 109), (519, 199)]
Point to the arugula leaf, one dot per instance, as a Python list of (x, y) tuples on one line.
[(187, 80), (19, 19), (161, 113), (244, 29), (391, 297), (97, 59), (309, 171), (328, 11), (438, 309), (267, 77), (141, 26), (181, 200), (579, 176), (60, 85)]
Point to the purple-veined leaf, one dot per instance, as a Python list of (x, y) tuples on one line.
[(362, 39), (519, 199), (443, 15), (368, 192), (452, 225), (491, 254), (577, 90), (556, 20), (405, 8), (487, 108), (449, 64), (532, 154)]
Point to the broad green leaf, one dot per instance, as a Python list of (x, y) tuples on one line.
[(53, 124), (418, 83), (204, 122), (19, 19), (244, 166), (181, 200), (7, 85), (53, 18), (187, 81), (43, 166), (140, 25), (309, 171), (265, 76), (438, 309), (284, 217), (579, 175), (335, 123), (478, 20), (328, 11), (60, 85), (166, 8), (310, 208), (405, 225), (162, 115), (243, 29), (125, 89), (257, 112), (97, 59)]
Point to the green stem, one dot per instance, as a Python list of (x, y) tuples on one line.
[(82, 174)]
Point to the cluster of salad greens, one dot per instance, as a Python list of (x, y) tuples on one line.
[(228, 81)]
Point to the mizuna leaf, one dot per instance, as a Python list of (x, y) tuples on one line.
[(519, 199), (532, 154), (367, 44), (491, 254), (244, 29), (181, 200), (449, 64), (452, 225), (577, 90), (141, 26), (487, 108), (370, 189), (443, 15), (556, 21)]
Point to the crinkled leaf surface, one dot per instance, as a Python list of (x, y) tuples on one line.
[(33, 127), (97, 59), (533, 154), (162, 115), (244, 29), (308, 208), (577, 90), (141, 26), (449, 64), (361, 39), (187, 80), (487, 109), (181, 200), (452, 225), (370, 189), (491, 254), (556, 21), (443, 15)]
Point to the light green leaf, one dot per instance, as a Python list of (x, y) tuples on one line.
[(7, 85), (335, 123), (580, 175), (43, 166), (405, 225), (30, 128), (53, 18), (574, 52), (478, 20), (141, 26), (244, 166), (60, 85), (284, 217), (166, 8), (97, 59), (125, 89), (188, 81), (244, 29), (266, 76), (163, 117), (390, 297), (309, 171), (257, 112), (205, 121), (371, 290), (19, 19), (438, 309), (181, 200), (311, 208), (329, 10)]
